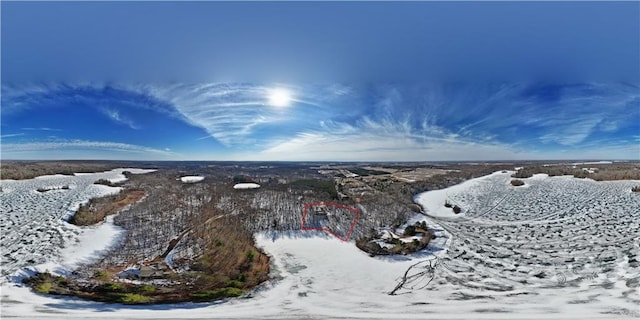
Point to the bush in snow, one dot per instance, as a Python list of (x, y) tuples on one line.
[(410, 231)]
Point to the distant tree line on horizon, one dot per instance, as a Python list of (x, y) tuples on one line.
[(602, 172)]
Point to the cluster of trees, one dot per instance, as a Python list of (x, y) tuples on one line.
[(105, 182), (98, 208), (19, 170), (113, 292), (367, 244), (202, 226), (405, 191), (318, 185), (366, 172), (45, 189), (242, 179), (602, 172)]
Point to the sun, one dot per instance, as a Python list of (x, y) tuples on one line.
[(279, 97)]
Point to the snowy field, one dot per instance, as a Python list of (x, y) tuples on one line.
[(246, 186), (558, 248), (191, 179)]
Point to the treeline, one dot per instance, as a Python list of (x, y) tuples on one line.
[(98, 208), (405, 191), (19, 170), (106, 182), (366, 172), (628, 171), (317, 185)]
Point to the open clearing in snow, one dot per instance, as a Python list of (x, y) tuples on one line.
[(191, 179)]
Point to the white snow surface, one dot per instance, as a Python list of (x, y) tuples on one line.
[(582, 240), (246, 186), (34, 233), (433, 202), (593, 162), (122, 178), (191, 179)]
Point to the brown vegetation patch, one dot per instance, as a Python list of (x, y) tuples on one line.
[(98, 208)]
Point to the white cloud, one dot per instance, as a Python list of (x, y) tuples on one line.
[(51, 149), (572, 133), (231, 113), (368, 147), (11, 135), (395, 141), (393, 122), (384, 141), (117, 117), (41, 129)]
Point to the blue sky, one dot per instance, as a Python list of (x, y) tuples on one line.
[(414, 81)]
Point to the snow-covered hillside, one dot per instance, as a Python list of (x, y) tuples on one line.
[(561, 248)]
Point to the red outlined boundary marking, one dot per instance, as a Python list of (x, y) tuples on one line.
[(338, 205)]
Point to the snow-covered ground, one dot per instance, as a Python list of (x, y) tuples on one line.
[(191, 179), (246, 186), (593, 162), (33, 230), (563, 248)]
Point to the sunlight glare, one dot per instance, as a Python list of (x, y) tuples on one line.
[(279, 97)]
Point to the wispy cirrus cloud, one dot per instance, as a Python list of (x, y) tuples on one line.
[(384, 122), (507, 122), (117, 117), (387, 141), (11, 135), (63, 147), (104, 97), (571, 132), (374, 145), (41, 129), (235, 113), (227, 112)]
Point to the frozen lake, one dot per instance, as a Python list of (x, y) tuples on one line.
[(32, 226)]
